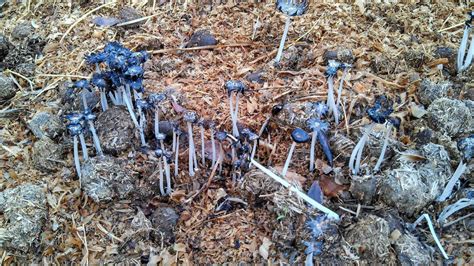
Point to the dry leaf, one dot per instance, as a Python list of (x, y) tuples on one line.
[(264, 249)]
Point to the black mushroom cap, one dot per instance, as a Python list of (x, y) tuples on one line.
[(292, 7), (299, 135), (88, 115), (381, 110), (74, 129), (466, 146), (234, 85), (158, 152), (190, 117), (315, 124)]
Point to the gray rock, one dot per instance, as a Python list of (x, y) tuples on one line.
[(164, 220), (23, 30), (115, 130), (430, 91), (201, 38), (370, 237), (7, 87), (27, 69), (363, 187), (412, 184), (45, 124), (47, 155), (344, 55), (451, 117), (24, 211), (5, 46), (410, 251), (106, 178)]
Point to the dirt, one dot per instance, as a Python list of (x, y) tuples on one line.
[(116, 213)]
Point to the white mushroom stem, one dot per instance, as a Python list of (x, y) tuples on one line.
[(356, 156), (76, 159), (470, 54), (168, 176), (288, 159), (213, 143), (236, 116), (341, 85), (331, 102), (95, 138), (453, 208), (103, 100), (448, 190), (176, 157), (299, 193), (85, 156), (130, 109), (433, 233), (128, 93), (203, 154), (462, 48), (221, 157), (157, 122), (283, 39), (388, 131), (141, 127), (254, 149), (312, 150), (112, 97), (174, 141), (162, 187), (84, 100), (235, 131), (191, 149)]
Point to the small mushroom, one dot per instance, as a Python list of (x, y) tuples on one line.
[(74, 131), (77, 119), (345, 68), (464, 62), (177, 133), (221, 136), (298, 136), (167, 161), (190, 118), (290, 8), (142, 105), (251, 138), (89, 117), (212, 128), (98, 80), (466, 147), (330, 73), (237, 87), (82, 85), (319, 129), (156, 99)]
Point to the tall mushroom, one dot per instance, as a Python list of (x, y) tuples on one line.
[(89, 117), (298, 136), (290, 8), (237, 87), (319, 129), (463, 62), (331, 71), (190, 118)]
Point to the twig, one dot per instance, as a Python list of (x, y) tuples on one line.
[(208, 183), (451, 27), (62, 76), (386, 82), (21, 76), (206, 47), (82, 18), (135, 20)]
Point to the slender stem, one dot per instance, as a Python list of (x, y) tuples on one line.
[(191, 149), (221, 157), (174, 141), (95, 138), (388, 130), (162, 189), (176, 158), (341, 85), (130, 110), (84, 100), (232, 116), (283, 39), (168, 176), (331, 103), (311, 151), (448, 190), (357, 152), (141, 127), (470, 54), (213, 143), (76, 159), (288, 159), (236, 116), (157, 123), (254, 149), (103, 100), (361, 149), (433, 233), (462, 48), (85, 156), (112, 97), (203, 155)]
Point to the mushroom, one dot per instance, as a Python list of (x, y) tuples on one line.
[(466, 147), (378, 114), (134, 77), (167, 162), (142, 105), (159, 154), (83, 85), (177, 133), (319, 129), (330, 73), (298, 136), (190, 118), (76, 119), (161, 138), (200, 123), (98, 80), (290, 8), (74, 131), (236, 86), (345, 68), (156, 99), (392, 122), (253, 138), (212, 127), (464, 63), (89, 117), (221, 136)]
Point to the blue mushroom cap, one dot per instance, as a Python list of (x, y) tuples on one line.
[(221, 135), (82, 84), (315, 124), (381, 110), (466, 146), (142, 103), (156, 97), (190, 116), (299, 135), (98, 80), (95, 58), (88, 115), (292, 7), (74, 129), (332, 68), (74, 118), (234, 85), (320, 109), (134, 71), (249, 135)]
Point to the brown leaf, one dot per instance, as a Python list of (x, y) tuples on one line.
[(330, 188)]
